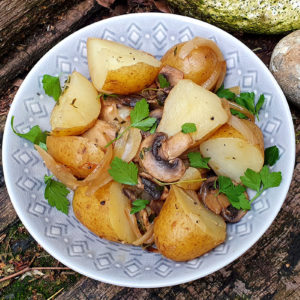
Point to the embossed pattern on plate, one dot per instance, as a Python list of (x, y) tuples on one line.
[(69, 241)]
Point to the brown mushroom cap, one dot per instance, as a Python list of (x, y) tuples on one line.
[(157, 166), (219, 203)]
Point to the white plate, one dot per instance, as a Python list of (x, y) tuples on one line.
[(69, 241)]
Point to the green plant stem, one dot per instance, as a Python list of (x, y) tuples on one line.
[(257, 195), (176, 182), (118, 137)]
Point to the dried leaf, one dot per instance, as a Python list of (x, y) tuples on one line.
[(105, 3), (32, 274), (162, 6)]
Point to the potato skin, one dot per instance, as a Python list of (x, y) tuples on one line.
[(178, 236), (77, 153), (231, 153), (129, 80), (93, 211), (197, 66)]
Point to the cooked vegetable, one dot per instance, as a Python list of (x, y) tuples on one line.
[(93, 211), (189, 179), (200, 60), (234, 148), (116, 68), (77, 108), (185, 229), (155, 163), (190, 103), (77, 153)]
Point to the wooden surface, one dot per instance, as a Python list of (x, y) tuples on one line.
[(269, 270)]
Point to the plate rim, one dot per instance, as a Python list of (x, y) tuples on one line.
[(134, 283)]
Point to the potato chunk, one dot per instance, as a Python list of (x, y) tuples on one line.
[(116, 68), (185, 229), (231, 152), (191, 103), (75, 152), (77, 108)]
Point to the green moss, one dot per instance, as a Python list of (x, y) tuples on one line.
[(268, 17)]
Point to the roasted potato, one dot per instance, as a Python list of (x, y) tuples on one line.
[(77, 153), (185, 229), (190, 103), (190, 175), (77, 108), (116, 68), (200, 60), (232, 151), (104, 212), (93, 211)]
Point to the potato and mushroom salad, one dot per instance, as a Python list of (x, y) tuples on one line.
[(158, 153)]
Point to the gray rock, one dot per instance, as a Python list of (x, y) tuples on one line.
[(285, 66)]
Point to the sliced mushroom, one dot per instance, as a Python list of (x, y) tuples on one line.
[(155, 163), (219, 203), (176, 145), (173, 75)]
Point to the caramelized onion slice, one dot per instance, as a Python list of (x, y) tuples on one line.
[(241, 109), (211, 81), (240, 126), (61, 172), (200, 42), (133, 222), (145, 237)]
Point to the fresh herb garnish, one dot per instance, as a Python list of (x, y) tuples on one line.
[(138, 205), (105, 96), (246, 100), (56, 194), (271, 155), (123, 172), (234, 193), (153, 128), (188, 128), (238, 113), (260, 181), (34, 135), (163, 82), (51, 85), (139, 118), (197, 161)]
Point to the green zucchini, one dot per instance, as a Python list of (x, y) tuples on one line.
[(253, 16)]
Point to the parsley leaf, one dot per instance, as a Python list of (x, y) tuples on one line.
[(234, 193), (51, 85), (271, 155), (270, 179), (34, 135), (56, 194), (146, 124), (138, 205), (188, 127), (225, 93), (139, 118), (238, 113), (140, 111), (153, 128), (251, 179), (123, 172), (261, 181), (197, 161), (163, 82), (246, 100)]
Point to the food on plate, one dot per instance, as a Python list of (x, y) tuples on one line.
[(75, 152), (116, 68), (162, 161), (235, 147), (200, 60), (190, 103), (185, 229), (77, 108)]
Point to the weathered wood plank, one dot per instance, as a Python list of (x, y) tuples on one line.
[(36, 46), (17, 16)]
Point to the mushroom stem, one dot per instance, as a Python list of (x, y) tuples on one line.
[(176, 145)]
